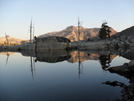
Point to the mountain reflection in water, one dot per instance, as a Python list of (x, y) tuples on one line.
[(78, 57), (53, 56)]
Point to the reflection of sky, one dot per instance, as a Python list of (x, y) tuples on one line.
[(119, 61), (56, 81)]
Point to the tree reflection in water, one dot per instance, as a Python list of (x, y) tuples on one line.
[(7, 58), (105, 61), (80, 66), (127, 90), (32, 66)]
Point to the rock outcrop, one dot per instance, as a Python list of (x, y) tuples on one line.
[(127, 34), (128, 54), (51, 42), (124, 69)]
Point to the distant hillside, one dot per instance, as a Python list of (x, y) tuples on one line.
[(71, 33), (6, 53), (12, 41), (127, 34)]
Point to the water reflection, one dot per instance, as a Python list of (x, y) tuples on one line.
[(54, 56), (80, 66), (7, 54), (105, 61), (74, 56), (32, 66), (7, 58), (126, 70), (127, 90)]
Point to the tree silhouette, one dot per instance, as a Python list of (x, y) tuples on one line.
[(104, 31)]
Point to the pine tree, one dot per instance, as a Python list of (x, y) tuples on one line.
[(104, 31)]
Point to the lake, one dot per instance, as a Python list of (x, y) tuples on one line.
[(59, 76)]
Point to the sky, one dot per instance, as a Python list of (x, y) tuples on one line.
[(56, 15)]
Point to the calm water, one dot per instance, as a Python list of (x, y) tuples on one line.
[(58, 76)]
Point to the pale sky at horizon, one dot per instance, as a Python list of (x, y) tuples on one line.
[(56, 15)]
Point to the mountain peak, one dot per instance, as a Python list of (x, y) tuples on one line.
[(71, 27), (74, 28)]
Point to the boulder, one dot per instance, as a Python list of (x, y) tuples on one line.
[(51, 42), (119, 69)]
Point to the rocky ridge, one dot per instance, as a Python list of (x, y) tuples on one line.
[(71, 33), (127, 34), (11, 40)]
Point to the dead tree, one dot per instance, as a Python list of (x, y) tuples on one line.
[(7, 39)]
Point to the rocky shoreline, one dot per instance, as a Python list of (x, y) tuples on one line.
[(53, 42), (126, 70)]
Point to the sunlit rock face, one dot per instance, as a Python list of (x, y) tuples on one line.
[(46, 43), (51, 42), (71, 32)]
